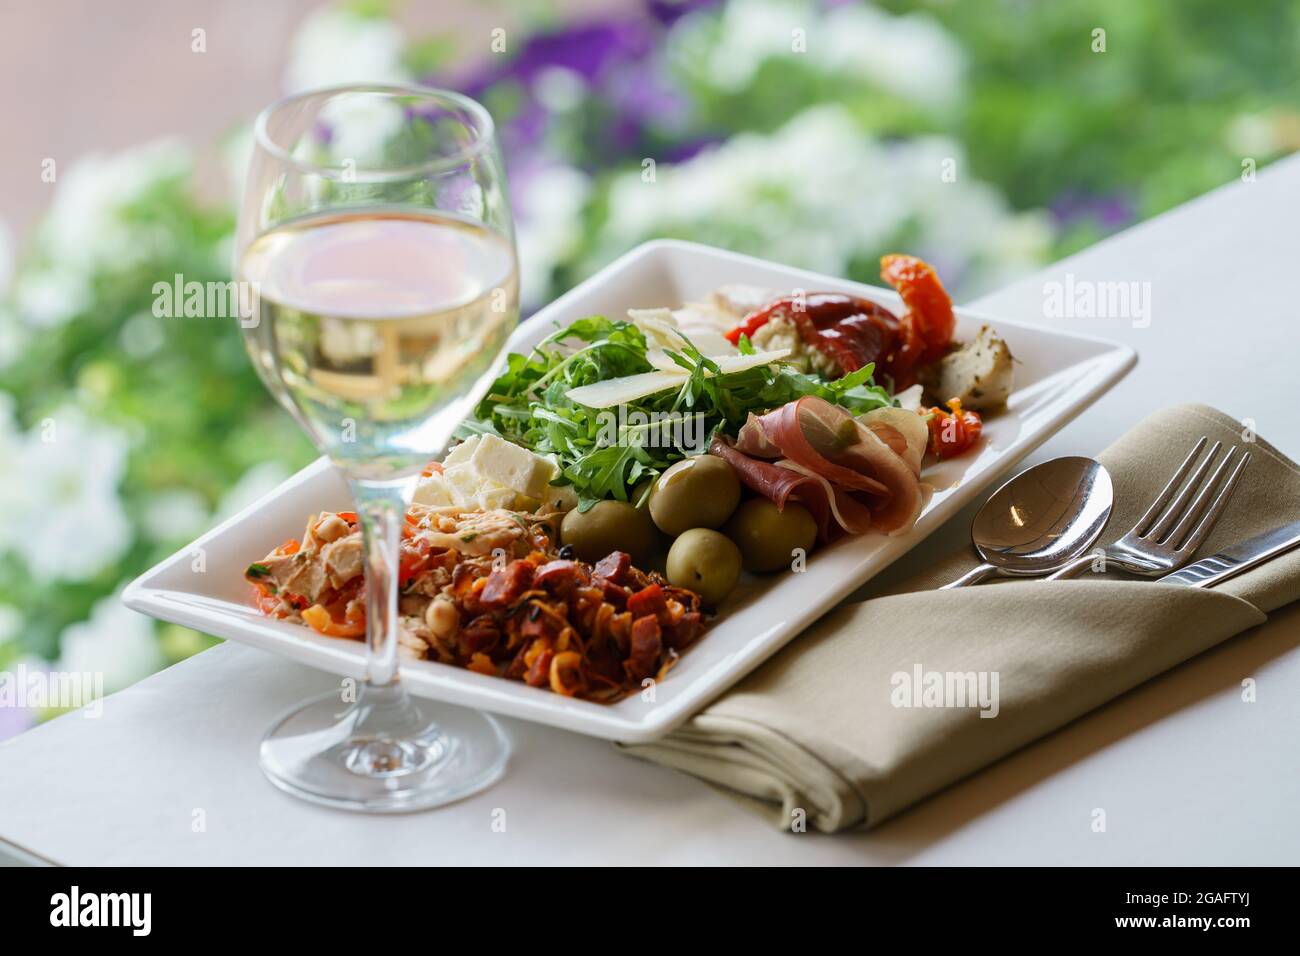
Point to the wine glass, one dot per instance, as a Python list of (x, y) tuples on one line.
[(376, 236)]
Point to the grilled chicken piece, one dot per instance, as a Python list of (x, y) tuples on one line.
[(297, 574), (344, 558), (478, 533)]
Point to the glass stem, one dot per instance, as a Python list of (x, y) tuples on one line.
[(381, 510)]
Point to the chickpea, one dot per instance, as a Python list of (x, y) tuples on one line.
[(331, 528), (442, 618)]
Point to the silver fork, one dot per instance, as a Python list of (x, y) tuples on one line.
[(1167, 536)]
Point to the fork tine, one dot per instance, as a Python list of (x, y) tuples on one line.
[(1198, 506), (1207, 523), (1158, 505), (1181, 500)]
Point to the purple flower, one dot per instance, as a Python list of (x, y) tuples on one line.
[(689, 149), (1111, 212), (670, 11), (632, 101), (323, 132), (642, 91), (599, 52), (587, 49)]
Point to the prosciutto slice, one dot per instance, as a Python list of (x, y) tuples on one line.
[(780, 482), (903, 430), (858, 468)]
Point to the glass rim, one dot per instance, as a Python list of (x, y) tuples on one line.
[(483, 126)]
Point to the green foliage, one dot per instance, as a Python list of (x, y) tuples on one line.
[(181, 390), (1153, 119), (1153, 114)]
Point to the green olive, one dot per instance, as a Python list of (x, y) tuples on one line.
[(700, 492), (610, 526), (767, 537), (640, 495), (706, 562)]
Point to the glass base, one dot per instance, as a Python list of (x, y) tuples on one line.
[(385, 753)]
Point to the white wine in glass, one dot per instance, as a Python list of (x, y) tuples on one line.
[(386, 286), (371, 319)]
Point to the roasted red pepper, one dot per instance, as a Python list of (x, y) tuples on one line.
[(929, 307), (853, 332), (846, 329), (954, 431), (414, 558)]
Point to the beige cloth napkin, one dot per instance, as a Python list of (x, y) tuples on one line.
[(814, 734)]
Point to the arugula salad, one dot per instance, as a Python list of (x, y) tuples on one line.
[(529, 404)]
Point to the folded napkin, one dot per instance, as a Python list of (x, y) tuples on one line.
[(834, 731)]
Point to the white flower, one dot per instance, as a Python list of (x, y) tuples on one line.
[(334, 47), (1249, 134), (549, 226), (560, 89), (802, 195), (142, 335), (175, 514), (822, 194), (84, 229), (252, 485), (749, 32), (116, 641), (50, 296), (361, 127), (912, 55), (61, 483)]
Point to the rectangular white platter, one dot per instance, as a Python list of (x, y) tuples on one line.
[(1058, 375)]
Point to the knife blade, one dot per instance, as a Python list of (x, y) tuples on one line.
[(1238, 558)]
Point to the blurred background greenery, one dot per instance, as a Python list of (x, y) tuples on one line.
[(988, 136)]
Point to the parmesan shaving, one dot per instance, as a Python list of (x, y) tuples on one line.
[(620, 391)]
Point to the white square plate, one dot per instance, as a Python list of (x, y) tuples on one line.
[(1058, 376)]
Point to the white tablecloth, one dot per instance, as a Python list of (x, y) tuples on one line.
[(1185, 770)]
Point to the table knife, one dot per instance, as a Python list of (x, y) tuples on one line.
[(1238, 558)]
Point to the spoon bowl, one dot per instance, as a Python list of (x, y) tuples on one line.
[(1041, 519)]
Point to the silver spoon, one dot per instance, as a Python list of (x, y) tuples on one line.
[(1040, 520)]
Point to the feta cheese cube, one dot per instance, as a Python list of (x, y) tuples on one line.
[(462, 452), (504, 463), (435, 492)]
